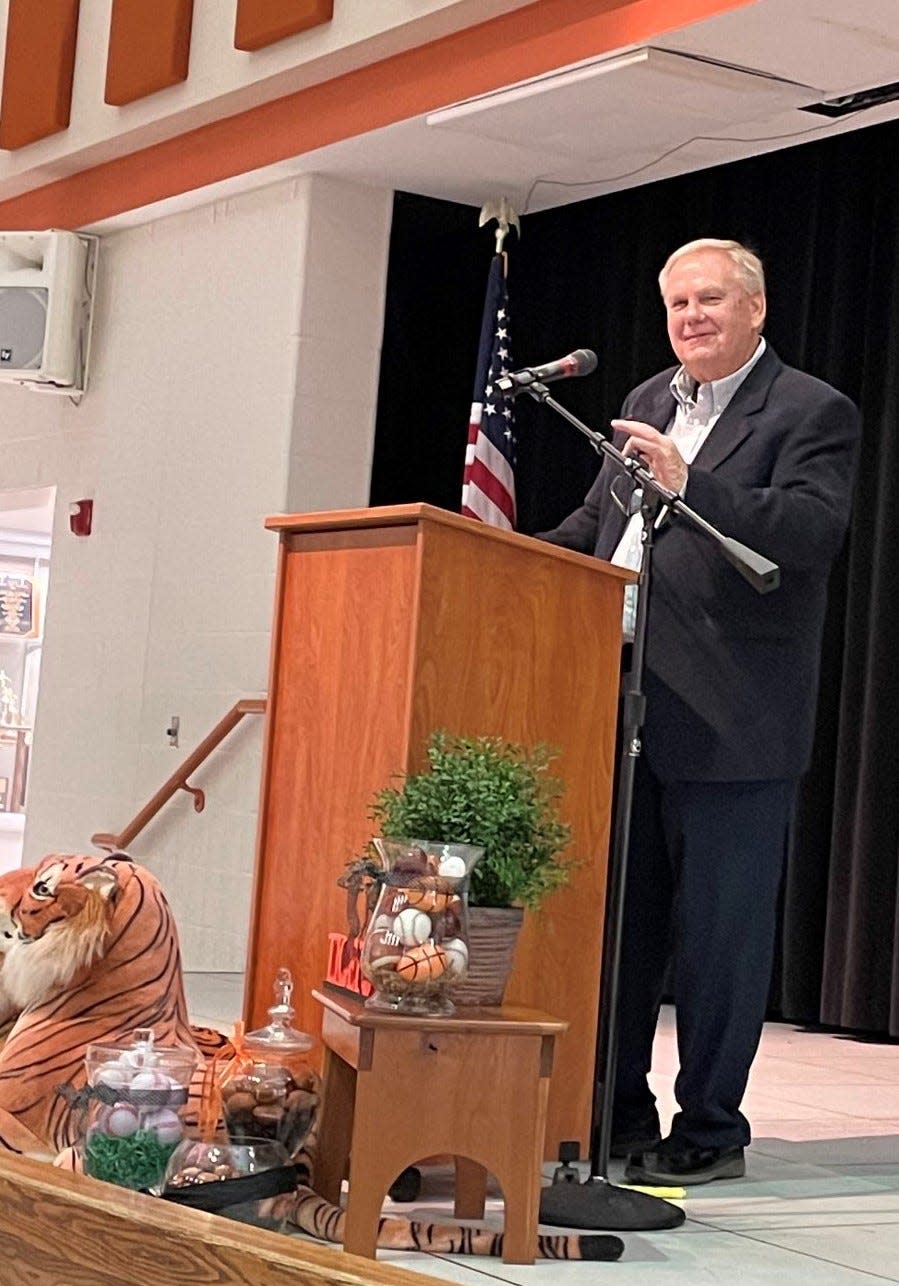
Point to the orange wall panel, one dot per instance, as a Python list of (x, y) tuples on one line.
[(149, 47), (38, 70), (262, 22)]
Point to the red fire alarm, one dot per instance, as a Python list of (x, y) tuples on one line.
[(81, 515)]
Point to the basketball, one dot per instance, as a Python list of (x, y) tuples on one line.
[(427, 899), (422, 963)]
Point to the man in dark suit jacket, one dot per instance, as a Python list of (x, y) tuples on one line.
[(764, 453)]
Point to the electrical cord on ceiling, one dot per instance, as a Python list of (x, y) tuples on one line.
[(657, 160)]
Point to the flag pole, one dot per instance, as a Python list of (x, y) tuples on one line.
[(506, 218)]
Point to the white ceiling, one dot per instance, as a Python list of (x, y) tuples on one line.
[(27, 510), (716, 91)]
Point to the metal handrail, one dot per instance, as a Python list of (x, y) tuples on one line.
[(178, 779)]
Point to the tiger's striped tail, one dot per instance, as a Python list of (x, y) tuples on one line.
[(314, 1215)]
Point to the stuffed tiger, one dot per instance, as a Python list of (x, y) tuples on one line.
[(91, 954), (94, 955)]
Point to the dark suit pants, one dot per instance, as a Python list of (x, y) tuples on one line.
[(705, 864)]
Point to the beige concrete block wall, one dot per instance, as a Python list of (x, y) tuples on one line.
[(205, 413)]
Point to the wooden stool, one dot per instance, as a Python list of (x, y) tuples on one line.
[(402, 1087)]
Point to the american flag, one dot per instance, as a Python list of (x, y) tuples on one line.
[(488, 487)]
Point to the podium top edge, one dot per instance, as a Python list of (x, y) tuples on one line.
[(377, 516), (419, 514)]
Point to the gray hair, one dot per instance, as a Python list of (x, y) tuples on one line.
[(748, 265)]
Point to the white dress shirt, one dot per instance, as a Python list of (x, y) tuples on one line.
[(698, 409)]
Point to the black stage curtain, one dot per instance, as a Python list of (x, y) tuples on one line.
[(824, 216)]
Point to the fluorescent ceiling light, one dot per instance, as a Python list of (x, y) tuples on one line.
[(537, 85), (664, 73)]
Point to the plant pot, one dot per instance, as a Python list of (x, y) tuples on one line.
[(492, 936)]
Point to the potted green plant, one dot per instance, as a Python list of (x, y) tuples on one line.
[(500, 796)]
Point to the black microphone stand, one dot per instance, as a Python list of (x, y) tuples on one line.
[(596, 1203)]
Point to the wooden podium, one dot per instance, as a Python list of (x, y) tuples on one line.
[(390, 623)]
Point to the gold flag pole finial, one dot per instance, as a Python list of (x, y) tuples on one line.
[(505, 217)]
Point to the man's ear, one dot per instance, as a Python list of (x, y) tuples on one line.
[(758, 308)]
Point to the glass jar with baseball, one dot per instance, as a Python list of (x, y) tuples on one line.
[(415, 949), (135, 1094)]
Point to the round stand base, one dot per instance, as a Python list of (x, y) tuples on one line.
[(598, 1204), (439, 1005)]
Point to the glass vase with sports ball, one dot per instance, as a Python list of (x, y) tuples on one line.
[(415, 950), (134, 1098)]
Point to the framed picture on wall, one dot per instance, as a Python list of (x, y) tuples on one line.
[(18, 606)]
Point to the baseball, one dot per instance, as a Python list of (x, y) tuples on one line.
[(123, 1121), (453, 867), (456, 955), (412, 927)]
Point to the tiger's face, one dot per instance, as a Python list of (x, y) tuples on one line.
[(12, 885), (60, 921), (63, 889)]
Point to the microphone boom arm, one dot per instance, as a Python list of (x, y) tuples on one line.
[(760, 572)]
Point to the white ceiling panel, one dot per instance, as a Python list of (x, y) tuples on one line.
[(839, 45), (644, 99)]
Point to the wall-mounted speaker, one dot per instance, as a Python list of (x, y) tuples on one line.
[(46, 297)]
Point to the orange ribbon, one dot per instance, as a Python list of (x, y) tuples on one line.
[(210, 1113)]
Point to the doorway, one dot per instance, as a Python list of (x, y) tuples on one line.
[(26, 527)]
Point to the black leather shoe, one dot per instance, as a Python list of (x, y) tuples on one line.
[(644, 1137), (685, 1165)]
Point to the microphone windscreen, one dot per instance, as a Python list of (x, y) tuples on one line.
[(586, 360)]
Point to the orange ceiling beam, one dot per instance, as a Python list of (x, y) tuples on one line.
[(527, 42)]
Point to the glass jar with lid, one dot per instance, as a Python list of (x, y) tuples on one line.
[(134, 1099), (268, 1090)]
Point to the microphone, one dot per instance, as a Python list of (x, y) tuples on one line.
[(582, 361)]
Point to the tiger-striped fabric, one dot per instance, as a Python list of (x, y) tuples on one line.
[(312, 1214), (95, 955)]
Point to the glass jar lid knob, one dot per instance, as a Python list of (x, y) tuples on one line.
[(280, 1033)]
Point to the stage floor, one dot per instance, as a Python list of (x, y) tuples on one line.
[(819, 1205)]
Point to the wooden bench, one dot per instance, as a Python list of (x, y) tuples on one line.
[(400, 1087), (61, 1229)]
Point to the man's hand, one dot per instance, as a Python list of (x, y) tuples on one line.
[(657, 450)]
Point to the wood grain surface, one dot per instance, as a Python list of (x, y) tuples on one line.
[(60, 1229)]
